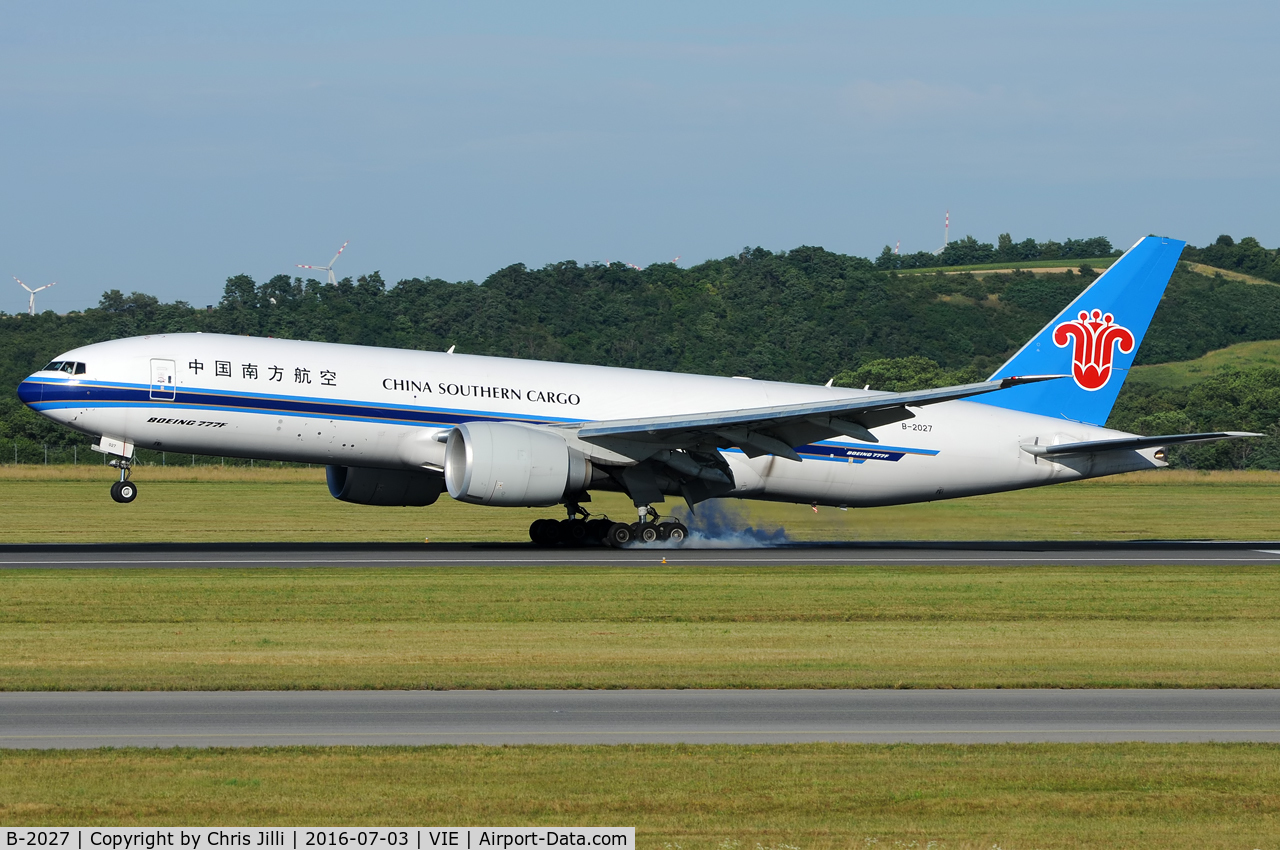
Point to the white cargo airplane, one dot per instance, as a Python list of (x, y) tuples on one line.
[(397, 427)]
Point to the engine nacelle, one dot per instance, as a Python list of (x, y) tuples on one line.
[(384, 487), (499, 463)]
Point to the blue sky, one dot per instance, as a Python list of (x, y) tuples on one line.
[(162, 147)]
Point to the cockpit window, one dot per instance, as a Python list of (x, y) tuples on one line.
[(55, 366), (71, 367), (79, 368)]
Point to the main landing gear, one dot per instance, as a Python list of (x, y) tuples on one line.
[(124, 490), (578, 530)]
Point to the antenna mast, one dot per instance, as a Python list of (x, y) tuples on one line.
[(946, 234)]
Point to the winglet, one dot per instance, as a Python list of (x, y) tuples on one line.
[(1019, 380)]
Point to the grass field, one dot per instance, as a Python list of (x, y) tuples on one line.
[(1244, 355), (1096, 262), (651, 627), (1210, 271), (726, 797), (66, 504)]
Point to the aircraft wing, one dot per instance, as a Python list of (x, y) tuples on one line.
[(777, 430), (1132, 443)]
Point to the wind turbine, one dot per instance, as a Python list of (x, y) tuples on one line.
[(328, 268), (31, 304), (641, 268)]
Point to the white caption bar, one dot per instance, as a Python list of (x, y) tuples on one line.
[(309, 837)]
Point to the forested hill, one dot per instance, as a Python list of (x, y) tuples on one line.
[(1246, 256), (802, 315)]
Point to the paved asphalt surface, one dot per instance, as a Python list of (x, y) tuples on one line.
[(239, 555), (260, 718)]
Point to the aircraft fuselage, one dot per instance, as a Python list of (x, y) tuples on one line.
[(361, 406)]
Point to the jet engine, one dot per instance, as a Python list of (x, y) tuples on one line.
[(384, 487), (500, 463)]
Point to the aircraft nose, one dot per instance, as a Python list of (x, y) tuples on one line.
[(30, 392)]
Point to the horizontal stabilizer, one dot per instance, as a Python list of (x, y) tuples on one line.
[(1134, 443)]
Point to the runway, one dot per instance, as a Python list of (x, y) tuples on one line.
[(277, 718), (987, 553)]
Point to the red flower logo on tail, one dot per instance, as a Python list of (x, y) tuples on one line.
[(1095, 338)]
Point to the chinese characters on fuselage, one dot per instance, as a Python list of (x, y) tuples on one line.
[(250, 372)]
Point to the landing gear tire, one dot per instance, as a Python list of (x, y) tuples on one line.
[(619, 535), (598, 531), (124, 491), (675, 532), (573, 532), (648, 533), (544, 532)]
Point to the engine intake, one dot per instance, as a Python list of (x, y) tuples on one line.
[(384, 487), (500, 463)]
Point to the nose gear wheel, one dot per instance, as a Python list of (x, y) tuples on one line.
[(123, 491)]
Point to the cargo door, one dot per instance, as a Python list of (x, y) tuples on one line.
[(163, 378)]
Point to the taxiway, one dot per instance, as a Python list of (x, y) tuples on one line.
[(277, 718)]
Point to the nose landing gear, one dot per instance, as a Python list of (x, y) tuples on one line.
[(124, 490)]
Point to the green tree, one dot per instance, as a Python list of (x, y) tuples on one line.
[(1004, 248), (904, 374)]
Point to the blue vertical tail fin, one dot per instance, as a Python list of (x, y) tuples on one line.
[(1094, 339)]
